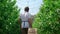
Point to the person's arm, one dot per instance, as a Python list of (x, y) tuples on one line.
[(30, 22), (19, 22)]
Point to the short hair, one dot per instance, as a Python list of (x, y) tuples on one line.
[(26, 9)]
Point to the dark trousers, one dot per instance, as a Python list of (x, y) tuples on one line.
[(24, 30)]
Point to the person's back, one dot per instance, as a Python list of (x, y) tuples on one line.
[(24, 17)]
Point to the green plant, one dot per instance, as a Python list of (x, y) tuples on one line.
[(47, 21), (9, 14)]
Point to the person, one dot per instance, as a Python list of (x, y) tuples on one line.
[(26, 21)]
